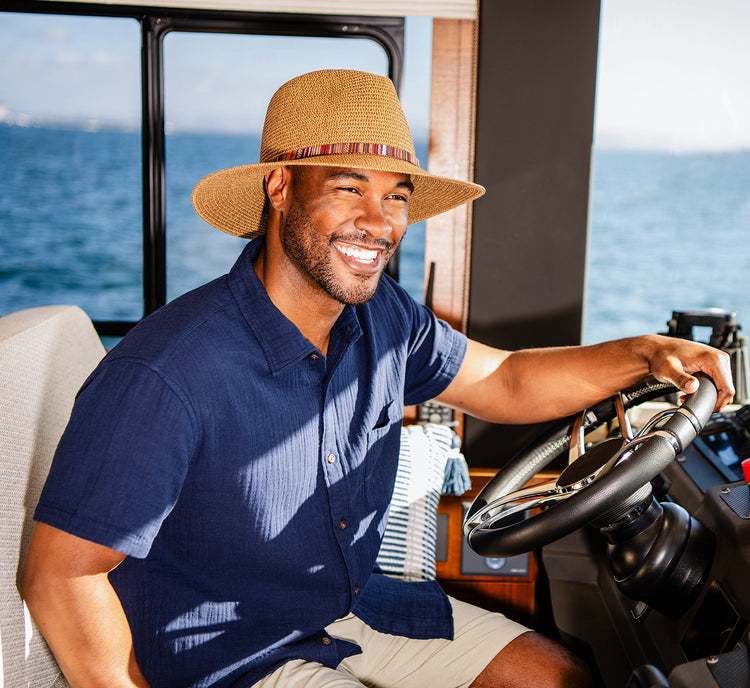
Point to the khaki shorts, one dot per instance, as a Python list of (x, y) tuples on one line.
[(398, 662)]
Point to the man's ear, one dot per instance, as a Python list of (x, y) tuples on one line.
[(278, 187)]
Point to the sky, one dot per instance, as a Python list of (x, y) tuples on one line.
[(673, 74), (72, 67)]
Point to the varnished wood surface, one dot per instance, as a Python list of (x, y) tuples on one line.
[(451, 154), (517, 597)]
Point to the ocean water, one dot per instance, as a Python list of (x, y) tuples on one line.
[(667, 231)]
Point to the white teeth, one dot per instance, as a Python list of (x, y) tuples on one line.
[(361, 254)]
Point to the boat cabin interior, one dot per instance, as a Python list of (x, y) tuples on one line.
[(640, 567)]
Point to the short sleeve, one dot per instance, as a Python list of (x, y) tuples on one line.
[(436, 352), (122, 459)]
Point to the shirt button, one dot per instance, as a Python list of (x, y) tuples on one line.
[(331, 458), (342, 524), (356, 590), (314, 357), (325, 640)]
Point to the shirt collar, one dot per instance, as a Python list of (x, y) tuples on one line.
[(282, 343)]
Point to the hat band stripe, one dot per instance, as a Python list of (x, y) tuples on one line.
[(336, 148)]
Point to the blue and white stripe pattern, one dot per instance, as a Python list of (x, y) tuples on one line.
[(408, 548)]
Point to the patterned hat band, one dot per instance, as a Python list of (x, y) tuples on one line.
[(337, 148)]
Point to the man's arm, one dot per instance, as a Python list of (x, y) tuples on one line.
[(535, 385), (65, 585)]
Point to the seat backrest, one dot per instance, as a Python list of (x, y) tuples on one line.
[(45, 355)]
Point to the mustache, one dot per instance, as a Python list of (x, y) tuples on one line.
[(365, 238)]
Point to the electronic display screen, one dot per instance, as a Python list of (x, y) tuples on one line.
[(722, 446)]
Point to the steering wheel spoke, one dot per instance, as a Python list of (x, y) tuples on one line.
[(577, 439), (506, 507), (622, 417)]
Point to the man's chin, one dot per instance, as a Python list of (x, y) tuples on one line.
[(358, 294)]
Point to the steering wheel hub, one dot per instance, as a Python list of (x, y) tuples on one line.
[(588, 466)]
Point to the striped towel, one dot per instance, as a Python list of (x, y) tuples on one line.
[(430, 463)]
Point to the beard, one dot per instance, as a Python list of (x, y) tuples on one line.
[(313, 253)]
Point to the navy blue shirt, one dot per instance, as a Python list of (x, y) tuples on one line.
[(247, 477)]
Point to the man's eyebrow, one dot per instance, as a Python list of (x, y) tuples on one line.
[(350, 174)]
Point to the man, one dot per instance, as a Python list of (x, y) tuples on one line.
[(216, 504)]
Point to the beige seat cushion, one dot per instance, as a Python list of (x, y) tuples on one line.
[(45, 355)]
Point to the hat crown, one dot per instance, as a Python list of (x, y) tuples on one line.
[(334, 107)]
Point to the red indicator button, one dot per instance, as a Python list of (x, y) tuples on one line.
[(746, 470)]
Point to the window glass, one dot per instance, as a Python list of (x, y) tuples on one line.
[(217, 87), (70, 206), (70, 149), (670, 212)]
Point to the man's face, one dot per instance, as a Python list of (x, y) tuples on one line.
[(343, 225)]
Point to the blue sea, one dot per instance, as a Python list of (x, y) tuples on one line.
[(668, 231)]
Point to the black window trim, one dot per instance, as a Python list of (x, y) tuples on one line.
[(155, 24)]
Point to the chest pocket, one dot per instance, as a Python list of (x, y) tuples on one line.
[(383, 418)]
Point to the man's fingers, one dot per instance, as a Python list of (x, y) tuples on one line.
[(688, 384)]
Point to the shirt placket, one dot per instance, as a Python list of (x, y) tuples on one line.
[(335, 465)]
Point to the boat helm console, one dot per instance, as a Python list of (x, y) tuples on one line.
[(691, 626), (645, 539)]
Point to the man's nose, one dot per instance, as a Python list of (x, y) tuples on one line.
[(373, 219)]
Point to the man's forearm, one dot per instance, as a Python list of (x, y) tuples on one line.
[(572, 378), (78, 611), (88, 634), (542, 384)]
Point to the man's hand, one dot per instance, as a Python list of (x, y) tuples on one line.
[(675, 360)]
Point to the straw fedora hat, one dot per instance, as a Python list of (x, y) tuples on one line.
[(339, 118)]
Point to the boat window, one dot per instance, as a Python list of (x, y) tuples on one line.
[(70, 164), (670, 211), (96, 207)]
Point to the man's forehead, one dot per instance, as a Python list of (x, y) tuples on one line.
[(361, 174)]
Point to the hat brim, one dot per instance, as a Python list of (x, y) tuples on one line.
[(233, 199)]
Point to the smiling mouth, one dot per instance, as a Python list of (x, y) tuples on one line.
[(365, 256)]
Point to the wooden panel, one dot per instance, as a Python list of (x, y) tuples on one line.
[(517, 597), (451, 154)]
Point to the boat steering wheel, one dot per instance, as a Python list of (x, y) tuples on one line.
[(600, 485)]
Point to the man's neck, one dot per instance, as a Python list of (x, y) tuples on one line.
[(313, 312)]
